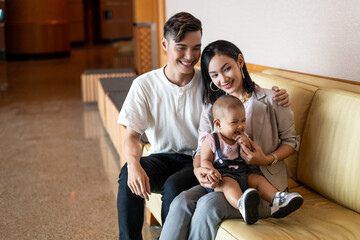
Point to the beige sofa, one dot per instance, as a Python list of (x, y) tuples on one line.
[(325, 170)]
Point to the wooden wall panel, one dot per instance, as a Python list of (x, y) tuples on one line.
[(77, 22), (2, 37), (160, 22), (145, 11), (2, 27), (116, 19), (143, 48), (37, 27), (3, 69)]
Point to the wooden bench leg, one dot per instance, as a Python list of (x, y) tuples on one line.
[(150, 219)]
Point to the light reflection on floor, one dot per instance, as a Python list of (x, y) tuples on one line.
[(58, 170)]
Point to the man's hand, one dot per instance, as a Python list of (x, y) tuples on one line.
[(138, 181), (282, 96)]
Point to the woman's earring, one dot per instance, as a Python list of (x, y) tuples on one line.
[(242, 73), (212, 88)]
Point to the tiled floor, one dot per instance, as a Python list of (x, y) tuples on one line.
[(58, 171)]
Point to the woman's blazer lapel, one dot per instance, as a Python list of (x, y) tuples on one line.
[(258, 114)]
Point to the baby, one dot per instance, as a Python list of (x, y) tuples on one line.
[(220, 152)]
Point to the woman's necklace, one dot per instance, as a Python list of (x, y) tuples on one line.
[(245, 98)]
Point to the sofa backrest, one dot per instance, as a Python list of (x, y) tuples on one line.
[(315, 81), (329, 157), (300, 95)]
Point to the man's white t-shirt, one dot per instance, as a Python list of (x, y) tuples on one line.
[(167, 113)]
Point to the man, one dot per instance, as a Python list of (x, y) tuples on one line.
[(165, 104)]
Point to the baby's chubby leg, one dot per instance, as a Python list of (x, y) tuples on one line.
[(247, 203), (266, 190), (231, 190)]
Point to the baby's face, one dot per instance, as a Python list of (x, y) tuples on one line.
[(233, 122)]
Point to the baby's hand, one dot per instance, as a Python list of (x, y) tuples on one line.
[(243, 139), (214, 177)]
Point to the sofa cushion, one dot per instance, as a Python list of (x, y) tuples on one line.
[(300, 95), (154, 205), (330, 221), (316, 81), (329, 158)]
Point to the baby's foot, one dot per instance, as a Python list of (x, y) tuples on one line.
[(285, 203), (248, 205)]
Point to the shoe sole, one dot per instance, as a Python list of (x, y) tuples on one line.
[(251, 202), (294, 204)]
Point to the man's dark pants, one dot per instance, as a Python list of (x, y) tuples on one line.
[(169, 174)]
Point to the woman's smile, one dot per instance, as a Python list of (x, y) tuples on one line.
[(228, 85)]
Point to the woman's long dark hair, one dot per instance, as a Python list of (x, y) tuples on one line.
[(225, 48)]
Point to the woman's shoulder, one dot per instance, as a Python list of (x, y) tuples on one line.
[(264, 93)]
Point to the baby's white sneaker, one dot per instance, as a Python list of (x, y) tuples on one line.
[(248, 205), (285, 203)]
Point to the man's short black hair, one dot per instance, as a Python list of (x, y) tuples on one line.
[(179, 24)]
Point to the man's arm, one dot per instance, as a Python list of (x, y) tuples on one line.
[(138, 181)]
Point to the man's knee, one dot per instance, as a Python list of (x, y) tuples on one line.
[(174, 185), (183, 202), (170, 190), (209, 204)]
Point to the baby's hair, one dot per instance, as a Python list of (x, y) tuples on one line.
[(224, 103)]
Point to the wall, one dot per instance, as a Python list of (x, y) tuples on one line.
[(314, 37)]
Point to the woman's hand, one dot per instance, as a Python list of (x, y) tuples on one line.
[(282, 96), (138, 181), (243, 139), (202, 175), (255, 157)]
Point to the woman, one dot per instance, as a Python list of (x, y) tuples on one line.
[(197, 215)]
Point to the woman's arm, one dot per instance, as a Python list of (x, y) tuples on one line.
[(278, 119), (257, 156)]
